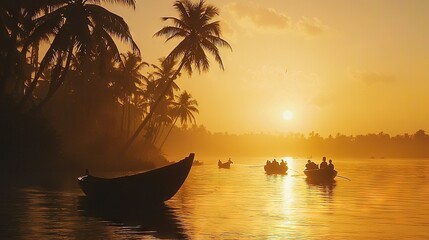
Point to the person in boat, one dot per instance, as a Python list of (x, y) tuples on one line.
[(275, 163), (283, 165), (267, 164), (308, 166), (219, 162), (330, 165), (323, 164), (313, 165)]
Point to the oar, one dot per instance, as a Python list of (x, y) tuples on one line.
[(344, 177), (294, 170)]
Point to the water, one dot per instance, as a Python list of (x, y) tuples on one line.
[(385, 199)]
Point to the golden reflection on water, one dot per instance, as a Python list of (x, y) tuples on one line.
[(242, 203)]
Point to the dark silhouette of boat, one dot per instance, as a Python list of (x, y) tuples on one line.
[(275, 169), (198, 163), (225, 164), (320, 175), (154, 186)]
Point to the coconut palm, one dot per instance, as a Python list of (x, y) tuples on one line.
[(183, 109), (131, 79), (77, 27), (199, 34), (161, 118), (162, 74), (16, 21)]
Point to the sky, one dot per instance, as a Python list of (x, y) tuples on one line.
[(339, 66)]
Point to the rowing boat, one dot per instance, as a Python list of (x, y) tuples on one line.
[(154, 186), (324, 174)]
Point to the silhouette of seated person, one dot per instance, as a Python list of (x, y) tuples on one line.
[(315, 166), (323, 164), (282, 163), (330, 165), (308, 166), (311, 165), (275, 163)]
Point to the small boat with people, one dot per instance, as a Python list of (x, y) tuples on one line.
[(320, 174), (275, 167), (198, 163), (154, 186), (326, 171), (227, 164)]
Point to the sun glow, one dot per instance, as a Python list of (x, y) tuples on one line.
[(287, 115)]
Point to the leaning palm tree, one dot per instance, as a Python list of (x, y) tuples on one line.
[(199, 33), (183, 109)]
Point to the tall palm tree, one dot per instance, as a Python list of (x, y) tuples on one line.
[(77, 27), (161, 118), (131, 79), (162, 74), (199, 33), (16, 21), (183, 109)]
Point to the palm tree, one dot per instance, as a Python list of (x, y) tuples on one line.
[(131, 79), (77, 27), (16, 21), (183, 109), (199, 34), (161, 118), (162, 74)]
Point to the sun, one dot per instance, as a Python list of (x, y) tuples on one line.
[(287, 115)]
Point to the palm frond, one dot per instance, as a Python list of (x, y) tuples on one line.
[(131, 3)]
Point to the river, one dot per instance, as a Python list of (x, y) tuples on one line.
[(384, 199)]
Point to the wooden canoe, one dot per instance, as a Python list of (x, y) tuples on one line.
[(320, 174), (276, 169), (154, 186)]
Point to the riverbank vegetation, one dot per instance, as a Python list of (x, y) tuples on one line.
[(69, 99)]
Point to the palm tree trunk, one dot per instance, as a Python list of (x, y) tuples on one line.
[(10, 63), (122, 121), (33, 84), (168, 133), (159, 133), (59, 82), (129, 117), (154, 106)]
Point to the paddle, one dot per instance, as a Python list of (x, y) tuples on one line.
[(294, 170), (344, 177)]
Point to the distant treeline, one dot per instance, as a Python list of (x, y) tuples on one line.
[(373, 145)]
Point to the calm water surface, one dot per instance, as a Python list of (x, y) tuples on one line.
[(385, 199)]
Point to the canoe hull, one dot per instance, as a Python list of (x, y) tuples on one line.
[(320, 174), (276, 170), (154, 186)]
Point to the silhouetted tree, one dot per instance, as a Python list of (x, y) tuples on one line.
[(183, 109), (129, 84), (77, 27), (162, 74), (199, 34)]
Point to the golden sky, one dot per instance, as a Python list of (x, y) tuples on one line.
[(338, 65)]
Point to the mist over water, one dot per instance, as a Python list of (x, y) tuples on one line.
[(386, 198)]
